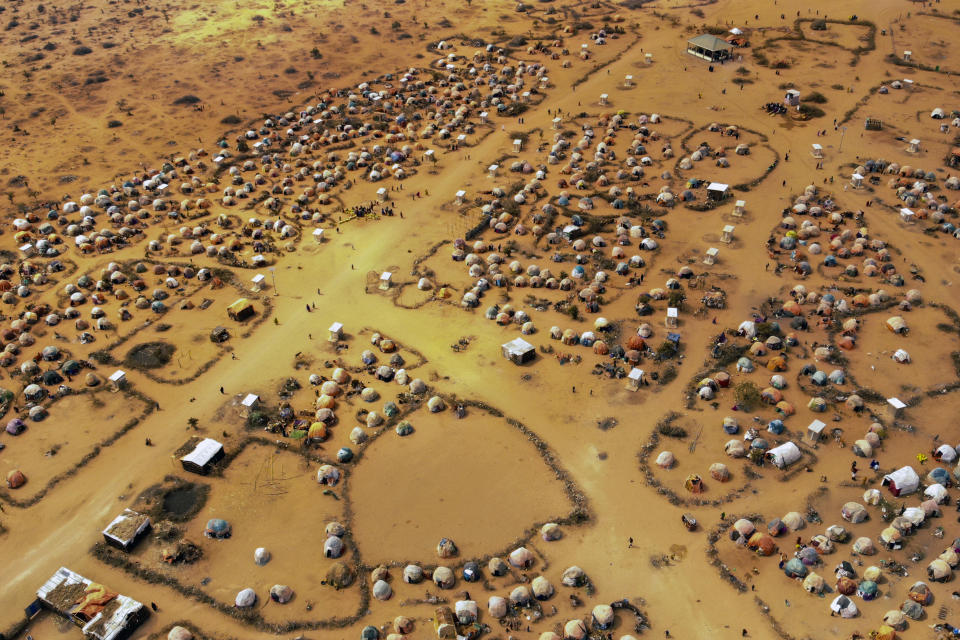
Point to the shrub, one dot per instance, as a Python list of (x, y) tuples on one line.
[(113, 124), (667, 429), (231, 119), (666, 350), (819, 25), (816, 97), (811, 111), (747, 395), (781, 64)]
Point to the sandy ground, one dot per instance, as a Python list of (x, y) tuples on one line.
[(479, 481)]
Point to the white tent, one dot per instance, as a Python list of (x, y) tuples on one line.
[(901, 482), (946, 453), (844, 606), (784, 455), (936, 492)]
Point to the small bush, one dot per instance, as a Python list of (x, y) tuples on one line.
[(113, 124), (747, 395), (82, 51), (837, 87), (743, 81), (231, 119), (819, 25), (761, 58), (781, 64), (666, 350), (743, 71), (816, 97), (667, 429), (716, 30), (811, 111)]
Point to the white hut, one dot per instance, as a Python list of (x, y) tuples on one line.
[(672, 318), (815, 430), (628, 81), (249, 403), (517, 145), (816, 150), (118, 380), (710, 257), (604, 99), (783, 455), (726, 235), (336, 332), (257, 282), (739, 208), (635, 378), (318, 235), (385, 278), (459, 196), (914, 146)]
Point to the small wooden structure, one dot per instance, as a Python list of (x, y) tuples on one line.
[(336, 332), (118, 380), (711, 256), (27, 250), (382, 194), (385, 280), (727, 234), (635, 379), (492, 170), (557, 122), (517, 145), (445, 623), (257, 281), (672, 318), (856, 180), (816, 150), (126, 529), (914, 146), (518, 351), (815, 430), (318, 235), (792, 98), (544, 82), (241, 309), (717, 191), (603, 99), (628, 81), (483, 117), (873, 124), (201, 460), (739, 208), (460, 195), (525, 96), (907, 54), (250, 402), (648, 58), (907, 215)]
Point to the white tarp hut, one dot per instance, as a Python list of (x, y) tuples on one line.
[(726, 235), (672, 317), (710, 257), (118, 379), (518, 351), (784, 455), (517, 145), (318, 235), (815, 430), (635, 378), (907, 215), (385, 278), (336, 331), (816, 150), (257, 281), (249, 403), (460, 195), (901, 482), (717, 190), (914, 146), (207, 452), (739, 207)]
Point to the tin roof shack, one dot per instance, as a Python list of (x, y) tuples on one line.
[(201, 460), (100, 613), (518, 351), (126, 529)]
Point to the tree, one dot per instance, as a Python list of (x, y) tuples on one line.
[(193, 422)]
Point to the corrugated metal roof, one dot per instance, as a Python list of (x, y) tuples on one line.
[(204, 452)]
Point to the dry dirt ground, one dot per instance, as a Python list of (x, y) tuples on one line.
[(97, 93)]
